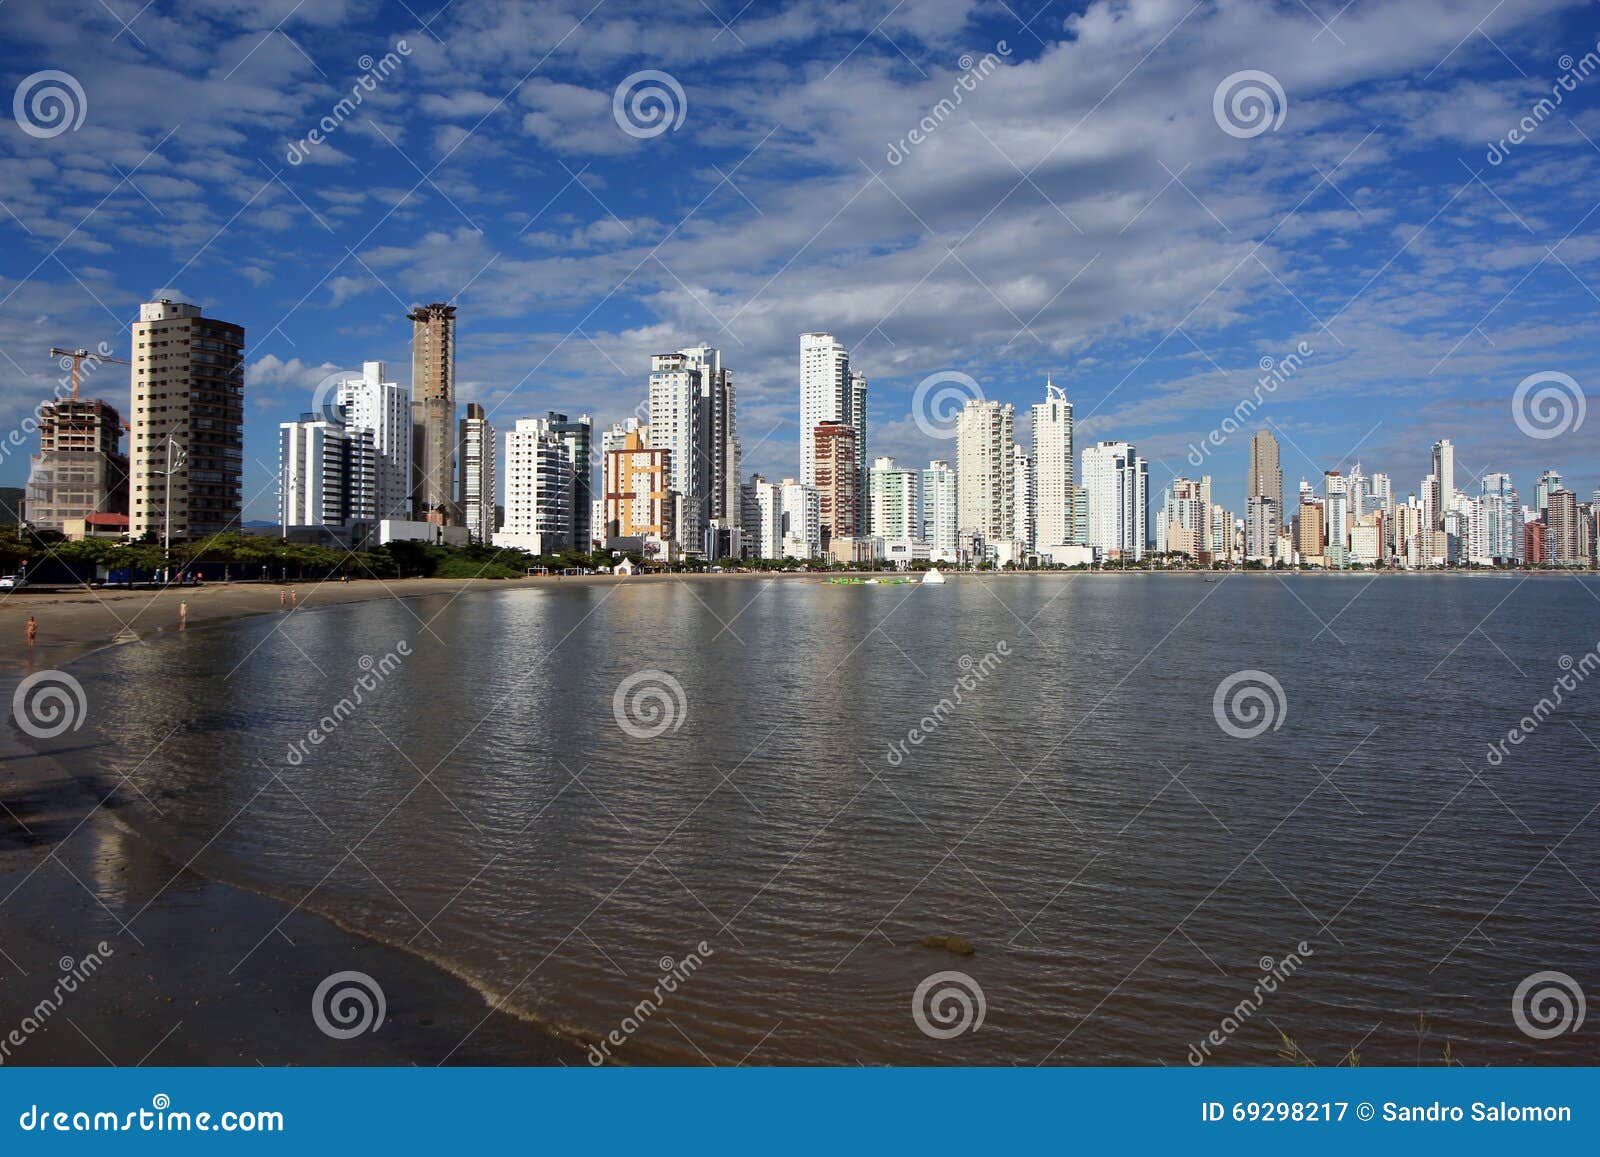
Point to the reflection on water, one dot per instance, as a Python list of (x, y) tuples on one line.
[(1123, 867)]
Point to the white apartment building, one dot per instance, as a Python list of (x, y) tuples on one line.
[(539, 490), (1116, 483), (372, 402), (894, 499), (939, 510), (985, 462), (1055, 478)]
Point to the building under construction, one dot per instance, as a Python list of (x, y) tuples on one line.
[(79, 469)]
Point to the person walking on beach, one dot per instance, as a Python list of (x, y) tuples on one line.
[(31, 630), (294, 599), (183, 616), (283, 598)]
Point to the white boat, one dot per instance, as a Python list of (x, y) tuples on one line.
[(932, 576)]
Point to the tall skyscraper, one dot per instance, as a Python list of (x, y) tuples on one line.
[(834, 459), (1261, 526), (478, 480), (1561, 528), (692, 416), (539, 489), (831, 392), (858, 419), (1023, 509), (187, 415), (895, 502), (762, 518), (1336, 520), (1502, 519), (800, 519), (939, 510), (1548, 480), (1444, 479), (372, 402), (1265, 479), (1184, 525), (985, 487), (80, 468), (1117, 482), (1054, 469), (433, 412), (578, 437)]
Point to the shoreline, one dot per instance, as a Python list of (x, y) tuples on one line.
[(229, 971)]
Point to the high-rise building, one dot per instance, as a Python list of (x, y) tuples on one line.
[(1335, 520), (539, 489), (326, 473), (80, 468), (939, 524), (800, 519), (1548, 480), (762, 518), (478, 481), (372, 402), (985, 489), (1310, 536), (894, 499), (578, 437), (1444, 479), (1561, 527), (187, 434), (1502, 539), (640, 501), (1117, 482), (834, 463), (433, 412), (1054, 470), (1265, 479), (826, 393), (1261, 526), (1024, 512), (692, 415), (1184, 525)]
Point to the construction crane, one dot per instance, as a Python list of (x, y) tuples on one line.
[(78, 356)]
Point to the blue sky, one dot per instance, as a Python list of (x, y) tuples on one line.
[(1082, 213)]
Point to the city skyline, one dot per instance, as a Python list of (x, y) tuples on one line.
[(1399, 363)]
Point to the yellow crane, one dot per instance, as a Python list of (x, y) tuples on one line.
[(78, 357)]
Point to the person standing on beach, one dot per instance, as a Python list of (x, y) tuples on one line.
[(183, 616), (283, 598), (294, 599), (31, 630)]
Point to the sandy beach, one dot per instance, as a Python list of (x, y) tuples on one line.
[(171, 989)]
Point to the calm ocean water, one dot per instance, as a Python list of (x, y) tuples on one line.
[(1123, 865)]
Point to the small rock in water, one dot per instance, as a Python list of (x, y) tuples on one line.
[(956, 944)]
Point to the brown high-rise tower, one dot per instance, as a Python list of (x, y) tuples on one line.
[(433, 413)]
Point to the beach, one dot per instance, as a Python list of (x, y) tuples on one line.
[(170, 988)]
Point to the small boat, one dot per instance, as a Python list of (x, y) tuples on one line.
[(932, 577)]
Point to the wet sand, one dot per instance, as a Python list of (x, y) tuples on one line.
[(193, 971)]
